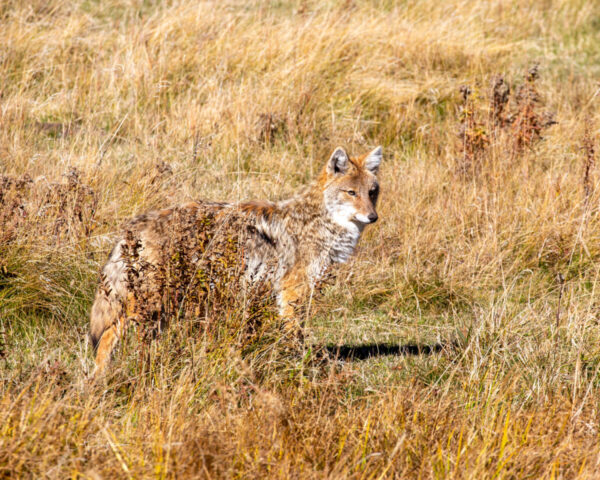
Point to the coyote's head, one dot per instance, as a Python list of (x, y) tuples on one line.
[(350, 188)]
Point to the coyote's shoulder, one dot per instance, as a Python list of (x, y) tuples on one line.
[(282, 247)]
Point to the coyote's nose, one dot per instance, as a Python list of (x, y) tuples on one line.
[(372, 217)]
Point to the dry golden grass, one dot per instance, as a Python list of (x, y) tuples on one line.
[(481, 278)]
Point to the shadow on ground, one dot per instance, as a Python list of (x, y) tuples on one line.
[(362, 352)]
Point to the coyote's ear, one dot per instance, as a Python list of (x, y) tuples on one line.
[(373, 160), (338, 162)]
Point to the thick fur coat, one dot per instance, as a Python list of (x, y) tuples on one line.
[(285, 247)]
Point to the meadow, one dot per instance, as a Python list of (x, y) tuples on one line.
[(462, 341)]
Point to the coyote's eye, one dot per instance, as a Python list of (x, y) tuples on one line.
[(352, 193), (374, 192)]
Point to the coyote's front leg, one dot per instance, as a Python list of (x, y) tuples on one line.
[(295, 290)]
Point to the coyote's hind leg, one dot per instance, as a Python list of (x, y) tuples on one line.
[(108, 324)]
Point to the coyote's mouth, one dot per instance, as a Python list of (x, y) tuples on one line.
[(366, 219)]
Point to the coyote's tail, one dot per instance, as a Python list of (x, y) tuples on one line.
[(107, 322), (103, 316)]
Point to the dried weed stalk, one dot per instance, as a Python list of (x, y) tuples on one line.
[(3, 342), (499, 127), (499, 102), (270, 126), (528, 122), (50, 211), (472, 133), (198, 283), (589, 163), (14, 193)]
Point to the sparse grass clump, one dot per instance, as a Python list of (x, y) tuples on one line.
[(462, 342)]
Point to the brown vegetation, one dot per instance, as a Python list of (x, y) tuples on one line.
[(481, 279)]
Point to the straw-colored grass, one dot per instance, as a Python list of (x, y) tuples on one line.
[(480, 280)]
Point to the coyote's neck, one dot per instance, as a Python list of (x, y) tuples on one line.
[(306, 217), (305, 209)]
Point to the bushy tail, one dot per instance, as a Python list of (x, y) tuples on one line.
[(107, 322), (104, 315)]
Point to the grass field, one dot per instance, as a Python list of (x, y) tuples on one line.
[(467, 322)]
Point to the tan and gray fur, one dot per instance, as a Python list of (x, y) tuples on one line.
[(288, 245)]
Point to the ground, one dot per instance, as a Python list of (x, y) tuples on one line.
[(462, 341)]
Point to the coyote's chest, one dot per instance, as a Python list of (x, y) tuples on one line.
[(344, 244), (336, 247)]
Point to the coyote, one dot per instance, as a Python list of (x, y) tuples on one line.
[(288, 245)]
